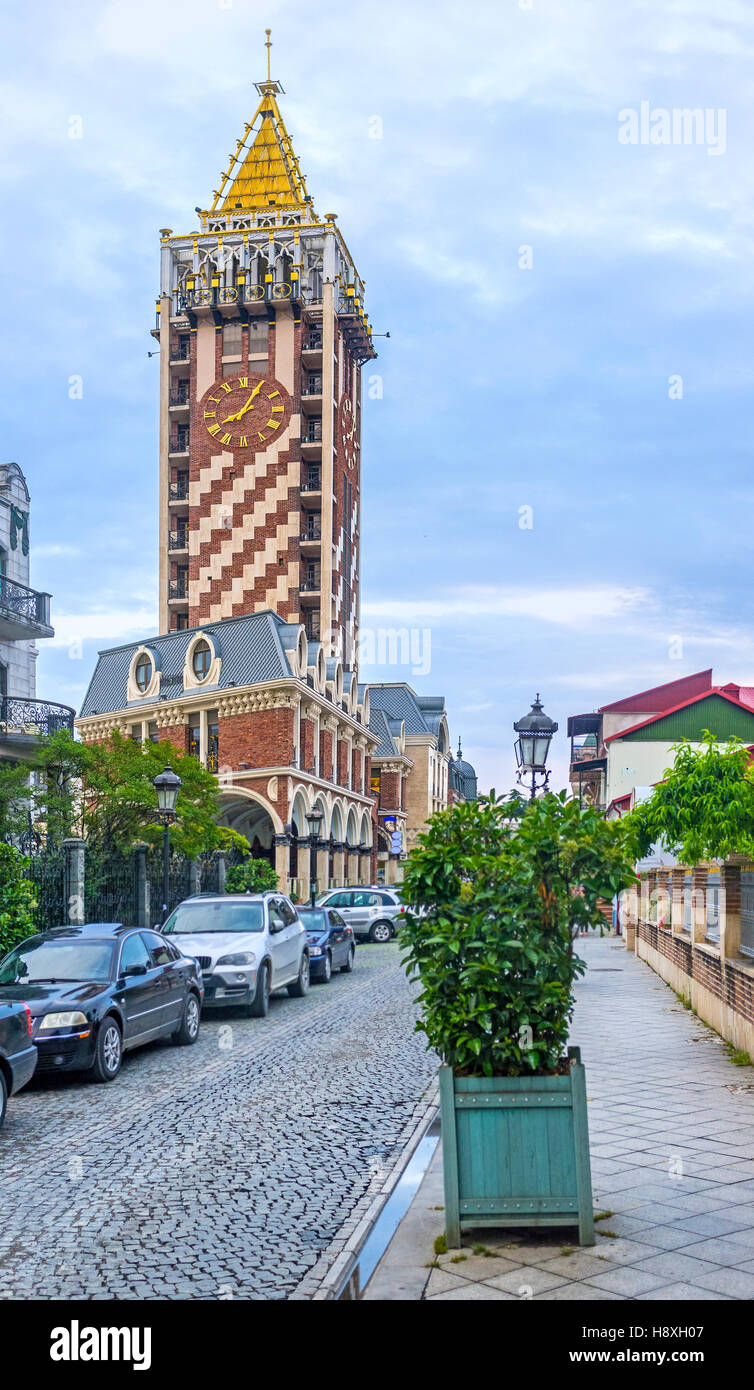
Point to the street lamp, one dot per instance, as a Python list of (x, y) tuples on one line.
[(534, 733), (167, 784), (315, 819)]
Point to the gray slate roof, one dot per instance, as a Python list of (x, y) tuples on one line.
[(421, 714), (249, 646), (378, 724)]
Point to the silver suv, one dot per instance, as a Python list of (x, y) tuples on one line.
[(246, 944), (370, 912)]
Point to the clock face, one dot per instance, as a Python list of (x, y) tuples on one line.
[(347, 427), (245, 412)]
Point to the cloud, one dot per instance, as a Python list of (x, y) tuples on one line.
[(559, 607), (109, 626)]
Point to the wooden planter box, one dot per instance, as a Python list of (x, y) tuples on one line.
[(516, 1151)]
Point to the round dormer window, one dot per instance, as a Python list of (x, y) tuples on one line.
[(201, 660), (143, 672)]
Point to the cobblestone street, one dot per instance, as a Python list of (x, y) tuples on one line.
[(224, 1170)]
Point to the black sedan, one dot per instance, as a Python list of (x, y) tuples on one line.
[(331, 942), (95, 992), (18, 1055)]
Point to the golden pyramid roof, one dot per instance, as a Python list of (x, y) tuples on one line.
[(264, 171)]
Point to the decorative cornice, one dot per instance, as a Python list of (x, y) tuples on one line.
[(252, 701)]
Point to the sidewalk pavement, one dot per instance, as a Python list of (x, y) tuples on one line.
[(671, 1123)]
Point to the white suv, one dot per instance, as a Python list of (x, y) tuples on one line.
[(370, 912), (246, 944)]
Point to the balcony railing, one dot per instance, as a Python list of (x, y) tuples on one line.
[(314, 433), (179, 443), (31, 718), (27, 606), (312, 343), (312, 484), (178, 540), (180, 352), (309, 586), (313, 387), (179, 397), (178, 588), (178, 492), (314, 534)]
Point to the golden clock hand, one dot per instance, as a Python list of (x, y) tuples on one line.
[(254, 393)]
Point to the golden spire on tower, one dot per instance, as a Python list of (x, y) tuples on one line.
[(264, 172)]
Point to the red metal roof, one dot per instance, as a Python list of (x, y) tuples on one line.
[(663, 697), (722, 691)]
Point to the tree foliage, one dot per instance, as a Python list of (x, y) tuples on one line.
[(704, 807), (17, 896), (104, 792), (253, 876), (504, 885)]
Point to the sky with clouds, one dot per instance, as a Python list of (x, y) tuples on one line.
[(600, 378)]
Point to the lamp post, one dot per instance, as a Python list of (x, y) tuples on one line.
[(167, 784), (534, 733), (315, 821)]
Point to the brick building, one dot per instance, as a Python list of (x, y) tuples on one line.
[(263, 333), (258, 704)]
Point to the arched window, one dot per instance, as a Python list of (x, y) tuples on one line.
[(143, 672), (201, 660)]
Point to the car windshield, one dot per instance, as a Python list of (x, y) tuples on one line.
[(314, 921), (191, 919), (55, 961)]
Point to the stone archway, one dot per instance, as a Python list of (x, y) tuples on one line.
[(248, 814)]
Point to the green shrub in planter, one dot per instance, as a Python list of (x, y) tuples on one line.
[(506, 885)]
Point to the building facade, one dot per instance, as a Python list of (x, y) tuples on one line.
[(258, 704), (262, 333), (414, 773), (24, 620), (622, 749)]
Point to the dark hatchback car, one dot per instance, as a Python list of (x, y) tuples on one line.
[(18, 1055), (331, 942), (95, 992)]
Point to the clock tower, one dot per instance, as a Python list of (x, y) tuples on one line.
[(263, 333)]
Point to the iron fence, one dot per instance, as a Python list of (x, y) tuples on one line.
[(49, 873), (110, 886), (179, 882)]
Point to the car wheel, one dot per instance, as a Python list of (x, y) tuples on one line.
[(326, 975), (108, 1053), (260, 1004), (189, 1029), (3, 1098), (348, 967), (380, 931), (299, 989)]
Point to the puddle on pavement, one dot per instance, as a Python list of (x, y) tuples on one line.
[(397, 1205)]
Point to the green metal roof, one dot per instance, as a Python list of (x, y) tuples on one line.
[(723, 719)]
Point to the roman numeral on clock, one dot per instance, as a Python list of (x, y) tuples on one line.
[(214, 429), (226, 439), (243, 381), (226, 387)]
